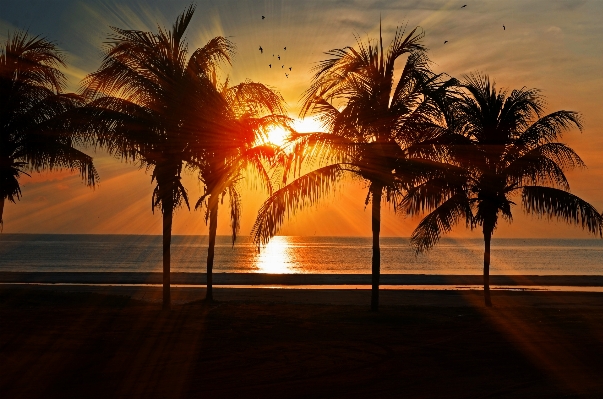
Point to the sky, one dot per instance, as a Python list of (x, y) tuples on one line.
[(553, 45)]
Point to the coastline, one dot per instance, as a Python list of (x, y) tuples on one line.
[(292, 279)]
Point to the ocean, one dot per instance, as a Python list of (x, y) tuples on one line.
[(137, 253)]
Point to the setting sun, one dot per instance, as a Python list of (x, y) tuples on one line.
[(277, 136)]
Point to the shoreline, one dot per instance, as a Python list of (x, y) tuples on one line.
[(262, 279)]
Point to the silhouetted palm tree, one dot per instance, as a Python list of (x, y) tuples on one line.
[(380, 130), (231, 143), (504, 146), (31, 102), (146, 105)]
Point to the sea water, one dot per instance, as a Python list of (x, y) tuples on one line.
[(132, 253)]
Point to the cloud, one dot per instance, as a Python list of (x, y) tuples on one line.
[(566, 5), (354, 24), (554, 29)]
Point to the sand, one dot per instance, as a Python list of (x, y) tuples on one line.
[(78, 341)]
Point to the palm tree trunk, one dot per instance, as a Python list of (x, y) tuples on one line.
[(1, 211), (376, 262), (487, 239), (213, 227), (168, 213)]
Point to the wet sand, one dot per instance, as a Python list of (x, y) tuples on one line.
[(82, 341)]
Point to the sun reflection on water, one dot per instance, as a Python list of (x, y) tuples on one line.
[(276, 257)]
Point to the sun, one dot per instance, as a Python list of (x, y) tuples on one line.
[(278, 135)]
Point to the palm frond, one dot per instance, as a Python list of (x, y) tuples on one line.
[(429, 184), (564, 206), (204, 61), (258, 157), (182, 22), (310, 148), (519, 109), (235, 211), (255, 99), (544, 164), (441, 221), (549, 128), (403, 45), (169, 193), (285, 202), (32, 60), (10, 172)]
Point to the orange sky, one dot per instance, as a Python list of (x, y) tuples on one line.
[(555, 46)]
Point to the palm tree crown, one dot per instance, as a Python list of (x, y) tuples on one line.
[(32, 138), (503, 145), (379, 130)]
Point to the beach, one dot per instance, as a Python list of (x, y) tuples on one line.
[(92, 341)]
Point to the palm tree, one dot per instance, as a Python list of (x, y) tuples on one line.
[(31, 103), (231, 143), (380, 130), (504, 145), (146, 105)]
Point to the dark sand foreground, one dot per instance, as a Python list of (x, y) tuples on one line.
[(90, 342)]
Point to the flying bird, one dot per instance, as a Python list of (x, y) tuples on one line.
[(289, 68), (445, 41), (464, 6), (285, 48), (504, 28), (261, 50), (282, 66), (287, 75), (263, 17), (279, 57), (270, 65)]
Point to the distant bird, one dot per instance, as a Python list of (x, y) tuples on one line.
[(270, 65), (464, 6), (504, 28), (282, 66), (445, 41), (261, 50), (263, 17), (289, 68), (287, 75), (285, 48), (279, 57)]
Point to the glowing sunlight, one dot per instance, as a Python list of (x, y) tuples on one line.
[(277, 135), (276, 257), (307, 125)]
